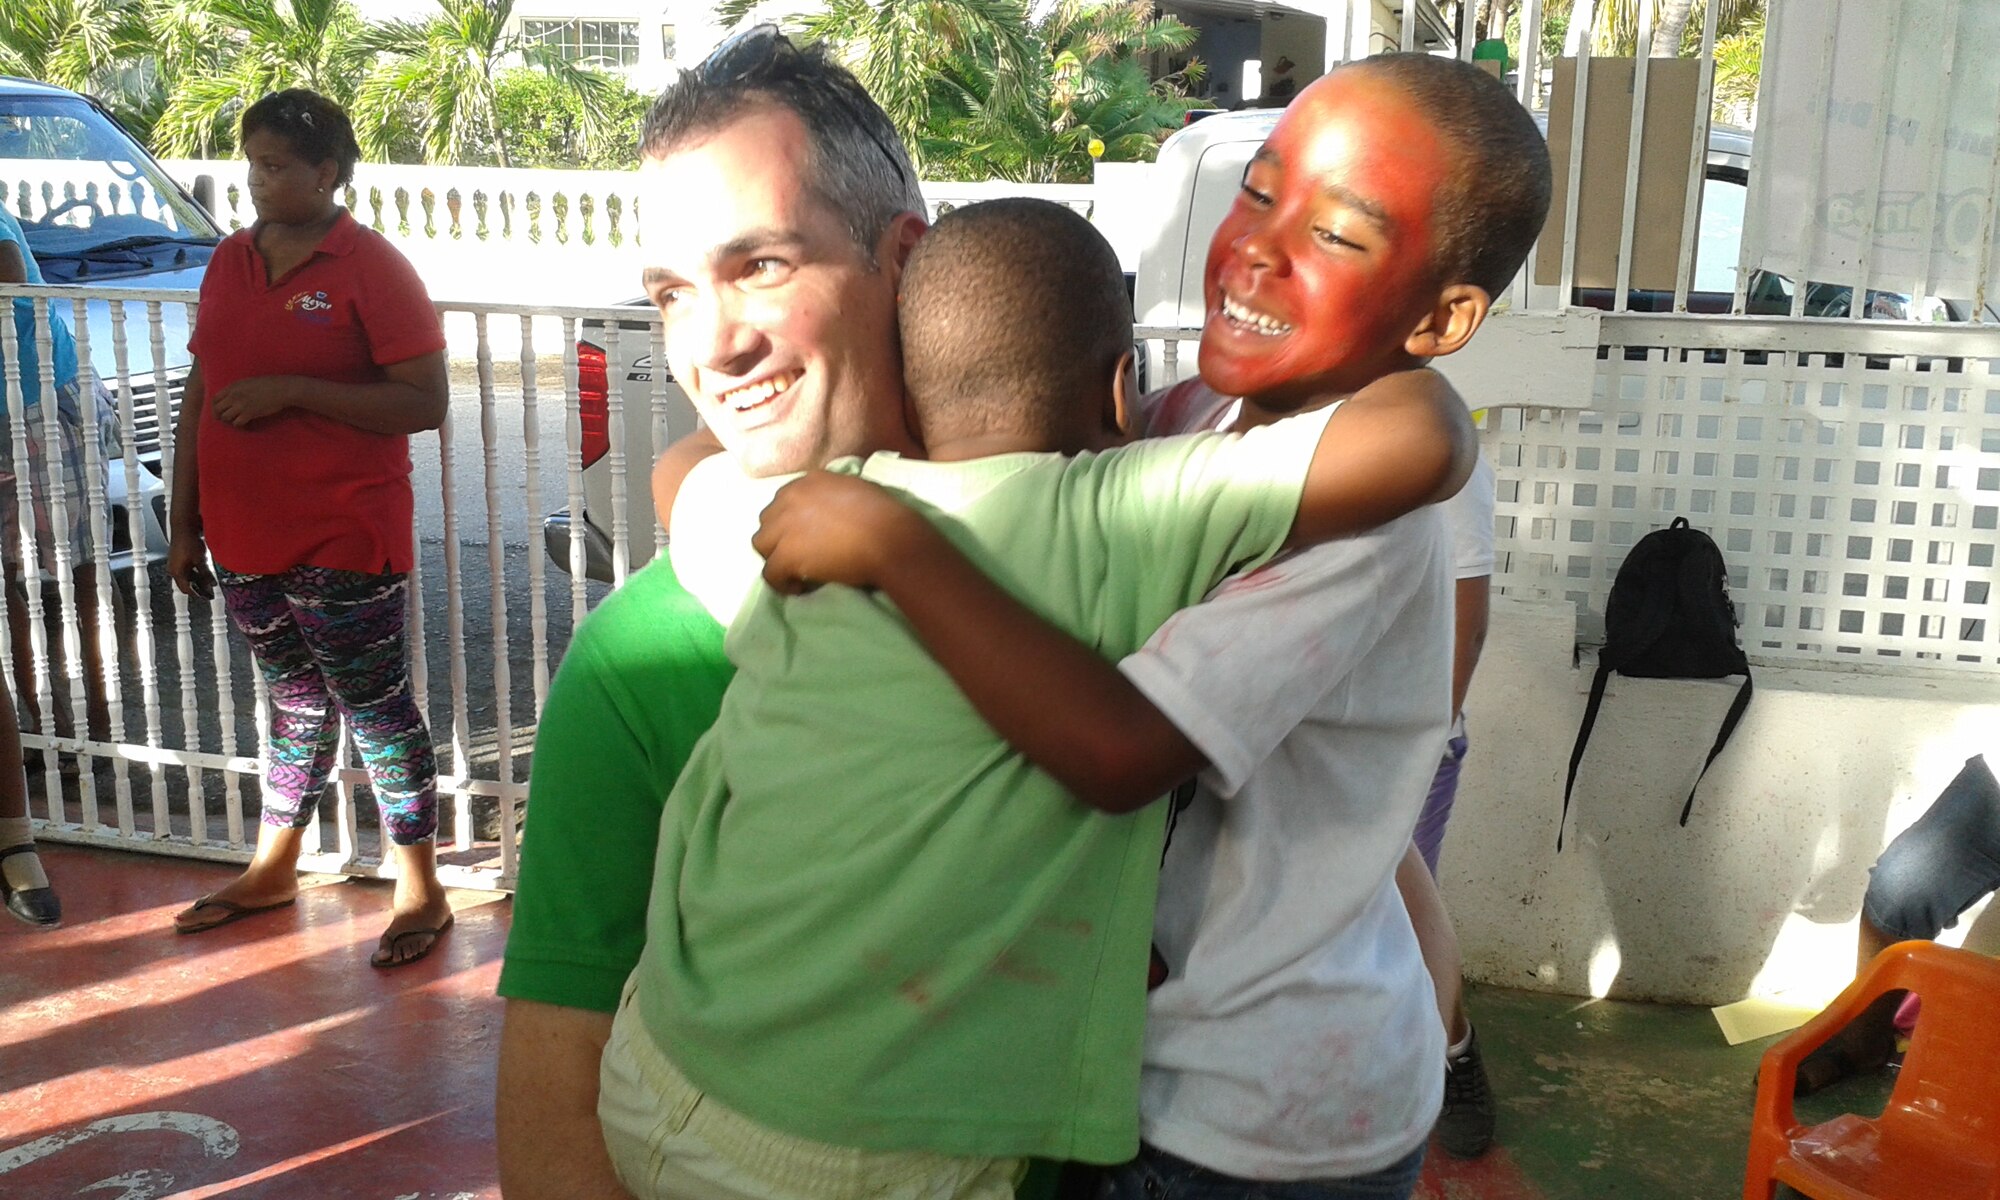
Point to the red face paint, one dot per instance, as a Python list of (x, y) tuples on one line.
[(1322, 269)]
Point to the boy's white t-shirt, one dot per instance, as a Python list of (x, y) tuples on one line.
[(1297, 1034), (1470, 517)]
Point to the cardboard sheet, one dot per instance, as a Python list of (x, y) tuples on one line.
[(1762, 1016), (1664, 150)]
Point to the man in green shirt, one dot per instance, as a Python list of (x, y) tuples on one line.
[(821, 209)]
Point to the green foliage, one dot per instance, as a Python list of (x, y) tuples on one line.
[(1615, 27), (544, 124), (977, 88), (77, 44), (244, 50), (1739, 64), (181, 72), (1092, 84), (93, 46), (897, 48), (979, 91), (435, 80)]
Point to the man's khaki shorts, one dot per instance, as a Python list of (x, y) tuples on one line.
[(669, 1141)]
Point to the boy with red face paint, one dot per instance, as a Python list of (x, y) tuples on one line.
[(1296, 1038)]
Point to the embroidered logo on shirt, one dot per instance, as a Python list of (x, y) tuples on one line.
[(311, 306)]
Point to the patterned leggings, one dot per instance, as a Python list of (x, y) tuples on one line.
[(328, 640)]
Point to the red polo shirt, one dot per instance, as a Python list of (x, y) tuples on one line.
[(297, 488)]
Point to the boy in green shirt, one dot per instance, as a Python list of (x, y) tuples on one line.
[(885, 954)]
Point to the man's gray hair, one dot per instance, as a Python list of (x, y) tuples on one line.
[(855, 162)]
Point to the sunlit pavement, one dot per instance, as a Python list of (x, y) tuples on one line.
[(267, 1059), (263, 1059)]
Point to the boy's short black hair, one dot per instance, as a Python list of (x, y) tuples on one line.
[(1013, 311), (315, 127), (1492, 209), (856, 163)]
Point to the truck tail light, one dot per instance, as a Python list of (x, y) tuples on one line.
[(593, 392)]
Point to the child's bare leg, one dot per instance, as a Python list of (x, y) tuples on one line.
[(97, 705), (1867, 1042), (21, 638), (1437, 939), (26, 882)]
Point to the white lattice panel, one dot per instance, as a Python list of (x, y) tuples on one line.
[(1855, 497)]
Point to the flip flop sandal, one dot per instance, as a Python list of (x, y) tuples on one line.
[(232, 911), (37, 906), (396, 940)]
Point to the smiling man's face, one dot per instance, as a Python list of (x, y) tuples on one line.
[(777, 326), (1323, 267)]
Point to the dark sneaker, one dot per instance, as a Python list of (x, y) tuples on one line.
[(1465, 1123)]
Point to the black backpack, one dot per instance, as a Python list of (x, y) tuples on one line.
[(1669, 617)]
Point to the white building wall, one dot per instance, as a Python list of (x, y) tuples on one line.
[(1759, 893)]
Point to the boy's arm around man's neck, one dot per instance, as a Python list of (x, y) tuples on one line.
[(1407, 442), (1402, 442)]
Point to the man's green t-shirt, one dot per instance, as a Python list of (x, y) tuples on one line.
[(873, 922), (641, 682)]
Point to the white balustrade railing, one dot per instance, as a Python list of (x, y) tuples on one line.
[(32, 188), (1850, 472), (516, 205), (175, 769)]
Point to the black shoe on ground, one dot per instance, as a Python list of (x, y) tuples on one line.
[(1465, 1123), (36, 906)]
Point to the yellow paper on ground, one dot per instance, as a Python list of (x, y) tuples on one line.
[(1762, 1016)]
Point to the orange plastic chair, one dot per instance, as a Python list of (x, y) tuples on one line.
[(1939, 1136)]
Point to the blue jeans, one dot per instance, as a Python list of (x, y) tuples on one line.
[(1157, 1175), (1944, 863)]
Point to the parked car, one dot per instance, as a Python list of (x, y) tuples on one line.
[(97, 210), (634, 375)]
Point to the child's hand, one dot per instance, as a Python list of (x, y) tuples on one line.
[(250, 400), (827, 528)]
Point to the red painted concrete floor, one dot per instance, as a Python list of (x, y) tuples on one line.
[(266, 1059), (263, 1059)]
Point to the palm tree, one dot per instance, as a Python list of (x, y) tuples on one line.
[(254, 48), (1100, 50), (437, 78), (1677, 29), (1094, 86), (898, 48), (78, 44), (1739, 63), (1617, 24)]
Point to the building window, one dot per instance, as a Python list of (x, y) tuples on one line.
[(590, 43), (668, 43)]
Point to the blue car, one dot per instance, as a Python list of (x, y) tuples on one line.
[(98, 211)]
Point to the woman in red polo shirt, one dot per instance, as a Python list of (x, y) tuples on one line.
[(317, 354)]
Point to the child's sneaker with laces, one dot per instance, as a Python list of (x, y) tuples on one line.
[(1465, 1123)]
